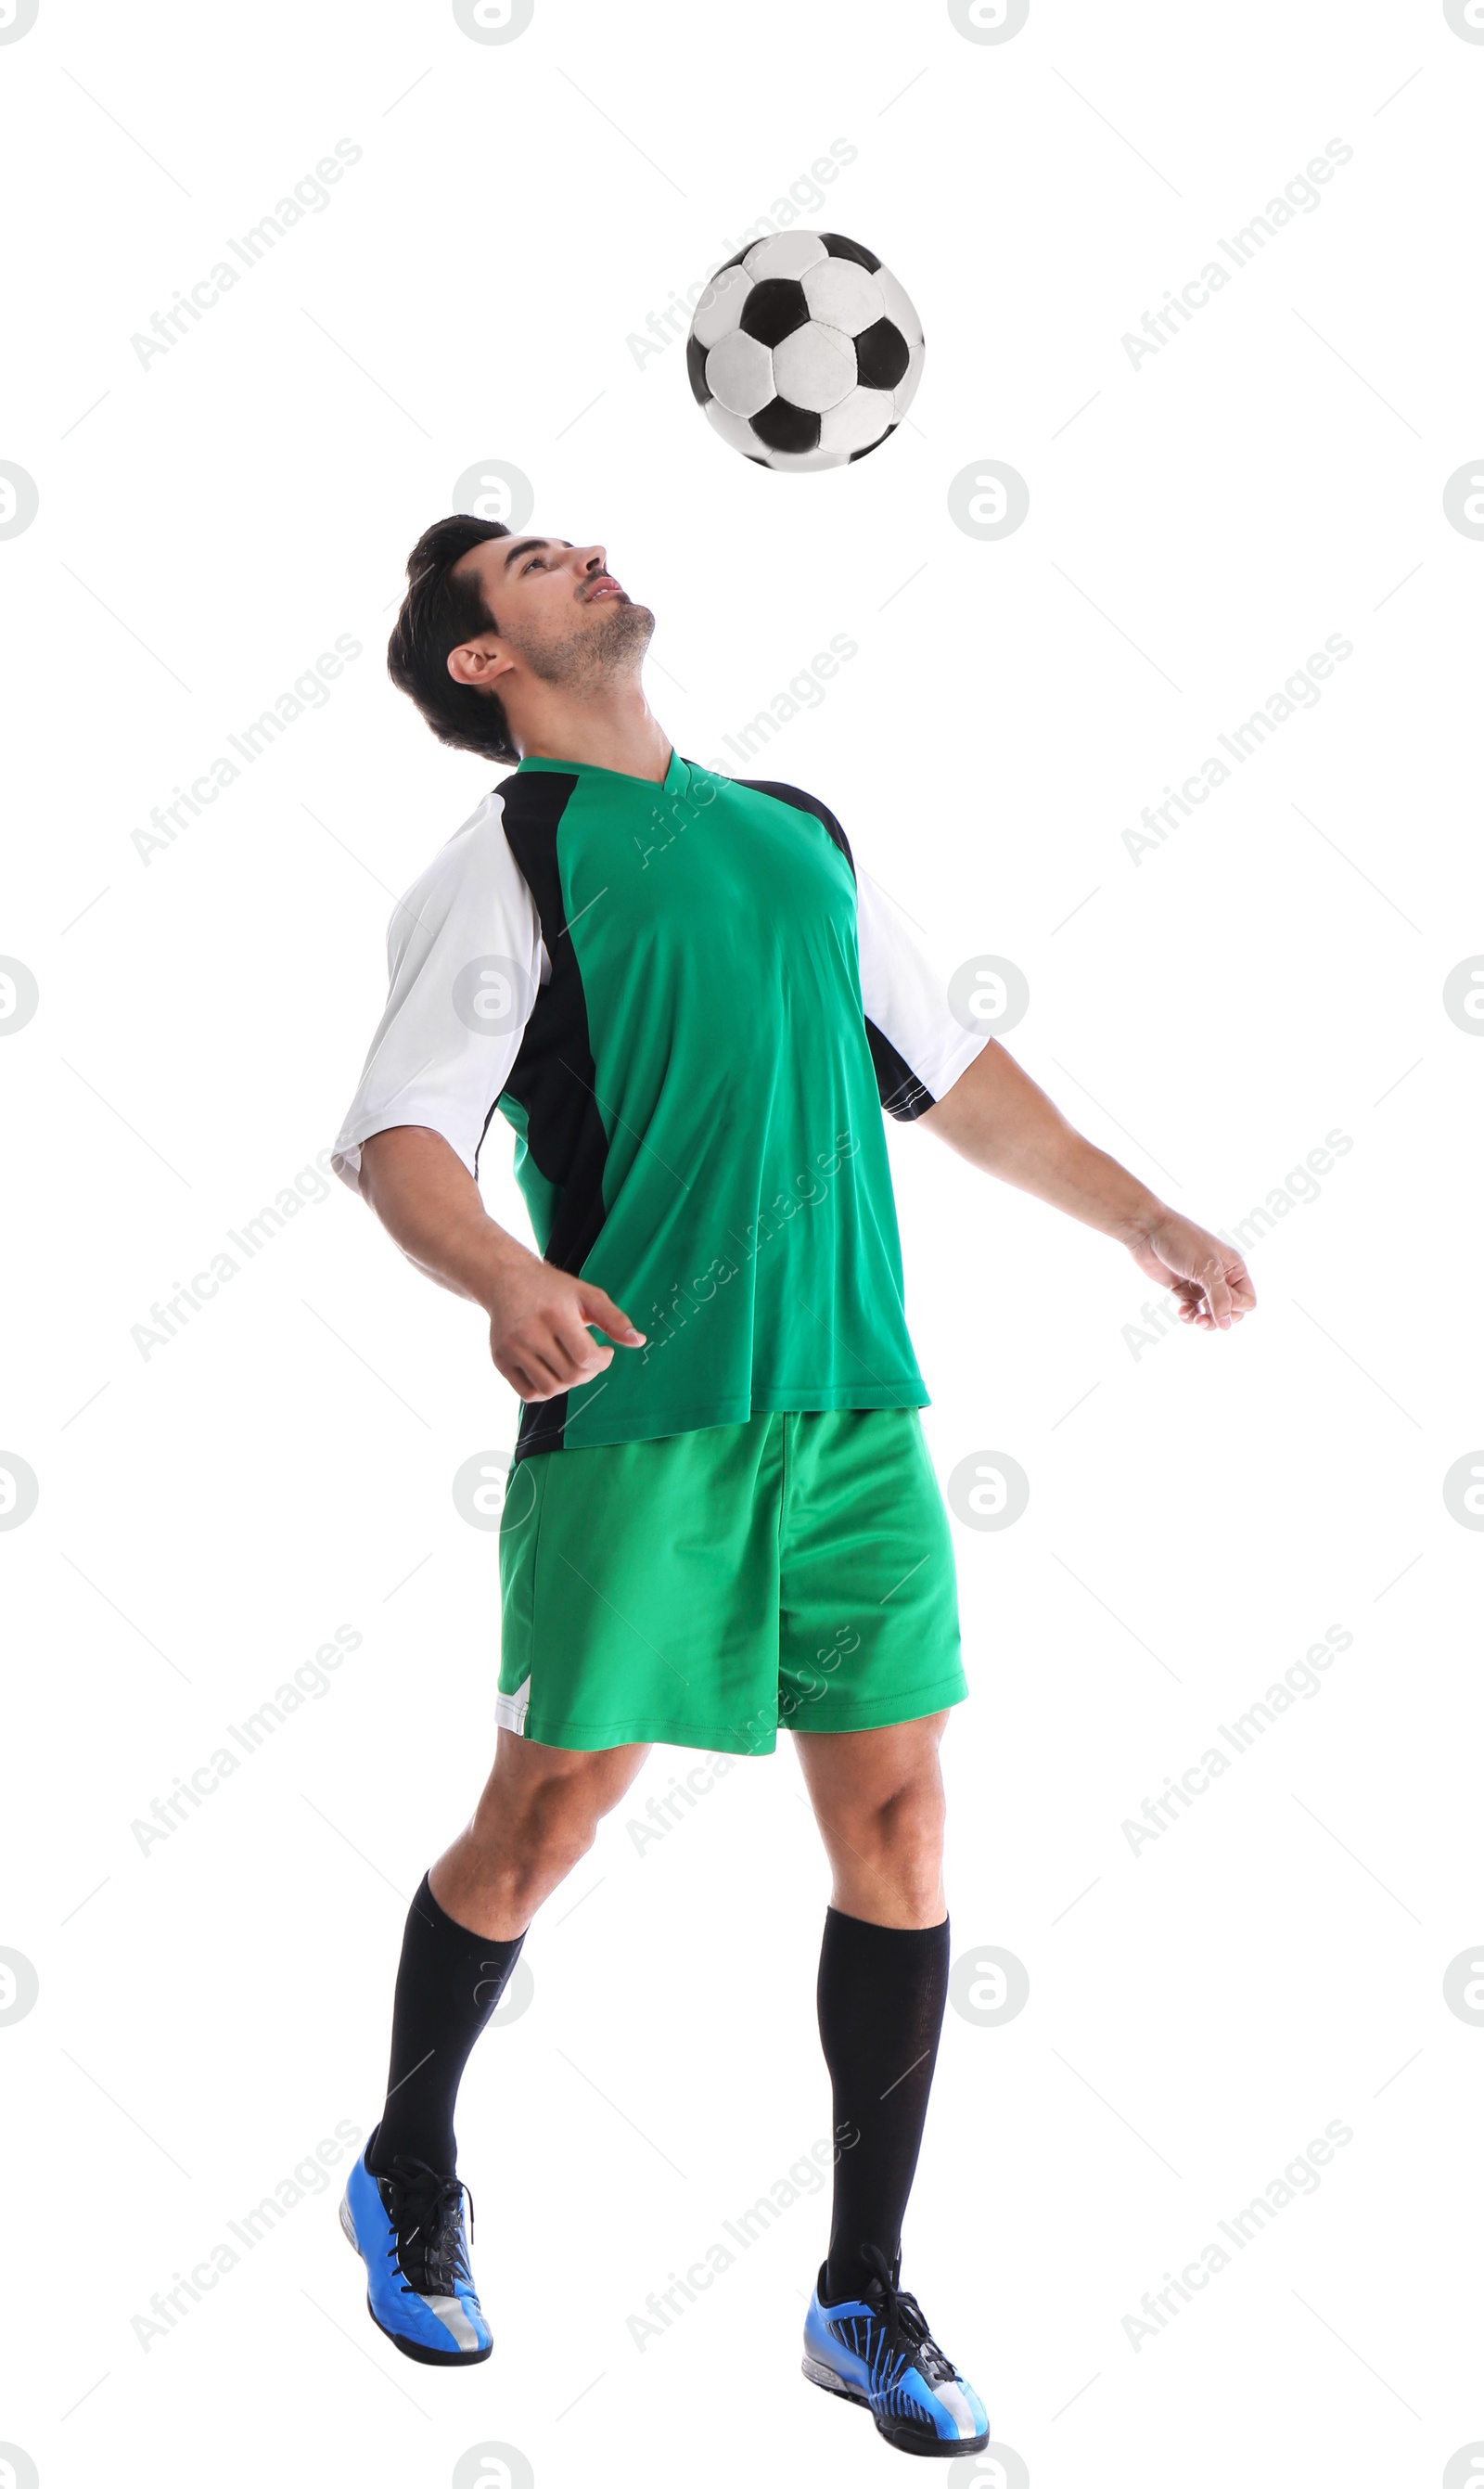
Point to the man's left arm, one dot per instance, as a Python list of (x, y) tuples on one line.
[(995, 1116)]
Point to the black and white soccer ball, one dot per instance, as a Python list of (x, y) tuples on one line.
[(804, 351)]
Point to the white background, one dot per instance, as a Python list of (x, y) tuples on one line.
[(1199, 1512)]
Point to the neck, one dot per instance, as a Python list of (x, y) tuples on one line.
[(612, 730)]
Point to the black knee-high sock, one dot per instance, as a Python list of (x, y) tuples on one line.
[(450, 1981), (883, 1992)]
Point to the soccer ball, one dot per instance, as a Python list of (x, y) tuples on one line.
[(804, 351)]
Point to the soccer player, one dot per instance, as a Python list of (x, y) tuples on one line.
[(721, 1516)]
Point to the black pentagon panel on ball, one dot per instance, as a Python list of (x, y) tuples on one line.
[(696, 365), (841, 246), (774, 309), (871, 446), (786, 427), (881, 355), (736, 261)]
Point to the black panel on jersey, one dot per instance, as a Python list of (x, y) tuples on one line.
[(553, 1074), (903, 1094)]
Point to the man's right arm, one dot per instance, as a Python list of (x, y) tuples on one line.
[(429, 1203)]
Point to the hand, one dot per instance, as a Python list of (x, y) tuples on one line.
[(1208, 1279), (538, 1330)]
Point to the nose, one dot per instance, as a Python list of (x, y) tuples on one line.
[(591, 559)]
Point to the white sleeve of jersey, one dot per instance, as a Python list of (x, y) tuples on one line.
[(905, 996), (465, 959)]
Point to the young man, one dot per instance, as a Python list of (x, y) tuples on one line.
[(721, 1516)]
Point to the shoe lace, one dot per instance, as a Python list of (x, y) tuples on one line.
[(425, 2208), (906, 2336)]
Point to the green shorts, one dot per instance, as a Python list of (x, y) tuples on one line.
[(707, 1588)]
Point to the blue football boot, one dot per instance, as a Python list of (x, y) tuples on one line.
[(409, 2227), (878, 2350)]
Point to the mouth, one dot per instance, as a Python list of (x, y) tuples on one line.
[(602, 587)]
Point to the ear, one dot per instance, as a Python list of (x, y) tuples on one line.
[(479, 664)]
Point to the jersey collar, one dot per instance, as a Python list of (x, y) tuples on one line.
[(666, 784)]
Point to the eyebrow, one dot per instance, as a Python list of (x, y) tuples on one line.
[(531, 544)]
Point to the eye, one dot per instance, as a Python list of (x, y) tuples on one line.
[(531, 565)]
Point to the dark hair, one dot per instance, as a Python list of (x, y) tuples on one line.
[(438, 614)]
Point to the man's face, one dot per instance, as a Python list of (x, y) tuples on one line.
[(561, 616)]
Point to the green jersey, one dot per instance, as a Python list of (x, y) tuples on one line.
[(691, 1009)]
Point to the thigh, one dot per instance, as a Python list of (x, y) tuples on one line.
[(868, 1602)]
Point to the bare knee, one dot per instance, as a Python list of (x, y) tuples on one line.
[(888, 1855), (537, 1817)]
